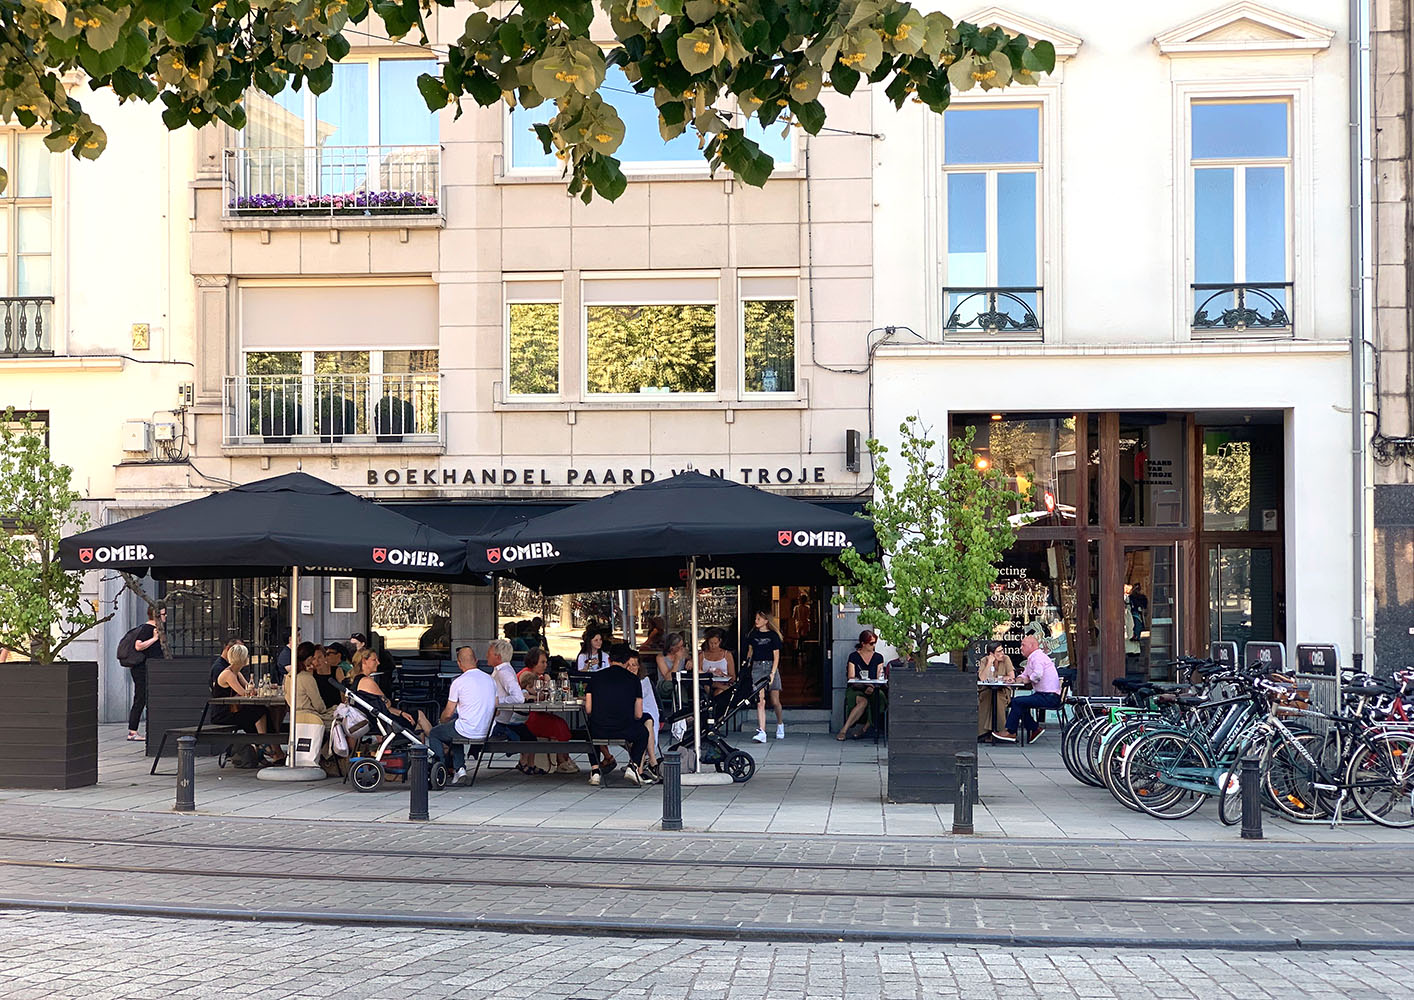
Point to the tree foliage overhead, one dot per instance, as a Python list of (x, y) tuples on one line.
[(942, 532), (706, 64)]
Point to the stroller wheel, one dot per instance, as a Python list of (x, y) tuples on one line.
[(366, 775), (741, 766), (720, 767), (437, 776)]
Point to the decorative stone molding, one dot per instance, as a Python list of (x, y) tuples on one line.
[(1066, 44), (1244, 28)]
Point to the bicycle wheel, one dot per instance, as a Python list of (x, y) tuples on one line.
[(1074, 748), (1112, 758), (1158, 767), (1230, 797), (1289, 778), (1381, 777)]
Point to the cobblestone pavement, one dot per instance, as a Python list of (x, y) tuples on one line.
[(51, 956), (686, 885)]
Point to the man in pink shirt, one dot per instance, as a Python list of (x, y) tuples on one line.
[(1041, 674)]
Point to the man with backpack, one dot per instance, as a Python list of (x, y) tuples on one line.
[(133, 652)]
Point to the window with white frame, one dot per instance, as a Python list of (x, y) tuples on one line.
[(992, 230), (26, 246), (643, 148), (1240, 162), (337, 393), (371, 131), (768, 334), (650, 335), (533, 337)]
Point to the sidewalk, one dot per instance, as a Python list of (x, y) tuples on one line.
[(807, 784)]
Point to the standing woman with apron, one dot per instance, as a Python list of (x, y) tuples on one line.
[(763, 650)]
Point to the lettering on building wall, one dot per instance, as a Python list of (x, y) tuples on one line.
[(783, 476)]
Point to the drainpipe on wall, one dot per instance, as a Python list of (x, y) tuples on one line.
[(1360, 194)]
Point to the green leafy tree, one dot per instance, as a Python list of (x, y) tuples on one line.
[(942, 531), (708, 65), (41, 610)]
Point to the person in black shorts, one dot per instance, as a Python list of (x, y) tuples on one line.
[(614, 705)]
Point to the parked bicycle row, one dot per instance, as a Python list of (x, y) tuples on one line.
[(1166, 749)]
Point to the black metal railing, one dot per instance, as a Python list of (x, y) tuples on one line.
[(1002, 312), (1242, 307), (28, 324)]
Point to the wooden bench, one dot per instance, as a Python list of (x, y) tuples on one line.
[(218, 736), (489, 748)]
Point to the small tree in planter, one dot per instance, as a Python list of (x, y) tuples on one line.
[(942, 531), (41, 613)]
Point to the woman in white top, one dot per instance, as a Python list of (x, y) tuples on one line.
[(592, 655), (716, 662), (650, 711)]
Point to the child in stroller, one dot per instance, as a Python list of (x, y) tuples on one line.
[(378, 743), (717, 711)]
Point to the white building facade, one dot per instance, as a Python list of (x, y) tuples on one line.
[(1132, 285)]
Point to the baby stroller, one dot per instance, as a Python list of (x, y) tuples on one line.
[(379, 744), (717, 710)]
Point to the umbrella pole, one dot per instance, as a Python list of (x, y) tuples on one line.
[(692, 652), (294, 663)]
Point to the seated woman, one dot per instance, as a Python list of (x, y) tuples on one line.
[(672, 659), (231, 682), (542, 724), (864, 664), (716, 663), (302, 689), (994, 666), (365, 663)]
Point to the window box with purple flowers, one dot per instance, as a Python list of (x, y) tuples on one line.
[(358, 203)]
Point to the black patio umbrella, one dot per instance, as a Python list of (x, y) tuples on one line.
[(289, 524), (662, 532)]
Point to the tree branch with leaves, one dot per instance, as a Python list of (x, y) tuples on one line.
[(942, 531), (708, 65), (41, 605)]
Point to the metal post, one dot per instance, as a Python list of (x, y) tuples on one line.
[(1251, 798), (966, 763), (417, 785), (186, 774), (672, 790)]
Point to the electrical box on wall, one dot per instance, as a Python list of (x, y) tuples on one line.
[(164, 432), (185, 394), (137, 435), (851, 450)]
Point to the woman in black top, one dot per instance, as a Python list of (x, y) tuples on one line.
[(864, 665), (763, 652), (232, 683)]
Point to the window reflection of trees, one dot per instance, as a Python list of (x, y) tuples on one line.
[(663, 347), (534, 348), (769, 345)]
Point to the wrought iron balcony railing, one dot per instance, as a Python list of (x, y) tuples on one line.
[(332, 409), (28, 326), (1242, 308), (324, 181), (999, 313)]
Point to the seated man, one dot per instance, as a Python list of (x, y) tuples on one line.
[(1041, 674), (614, 705), (471, 705), (510, 723)]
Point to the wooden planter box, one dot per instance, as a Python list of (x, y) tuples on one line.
[(49, 728), (177, 691), (932, 717)]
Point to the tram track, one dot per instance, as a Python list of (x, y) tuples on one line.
[(717, 864)]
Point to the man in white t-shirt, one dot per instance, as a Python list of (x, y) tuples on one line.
[(471, 705)]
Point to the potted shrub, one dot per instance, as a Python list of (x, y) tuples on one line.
[(49, 729), (336, 417), (942, 532), (277, 414), (393, 417)]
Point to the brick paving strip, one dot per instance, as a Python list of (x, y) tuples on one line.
[(684, 886)]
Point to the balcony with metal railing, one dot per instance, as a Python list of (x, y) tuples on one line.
[(1000, 313), (27, 330), (388, 409), (318, 184), (1242, 309)]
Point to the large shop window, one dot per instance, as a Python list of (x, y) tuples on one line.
[(768, 331), (650, 336), (1036, 454), (411, 618), (1242, 478), (1241, 177), (533, 338), (992, 167), (643, 149)]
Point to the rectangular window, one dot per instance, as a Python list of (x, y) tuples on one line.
[(1240, 163), (533, 348), (643, 147), (26, 245), (991, 259), (768, 331), (651, 348)]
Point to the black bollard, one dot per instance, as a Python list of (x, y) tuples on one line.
[(1251, 798), (417, 785), (186, 774), (966, 763), (672, 790)]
